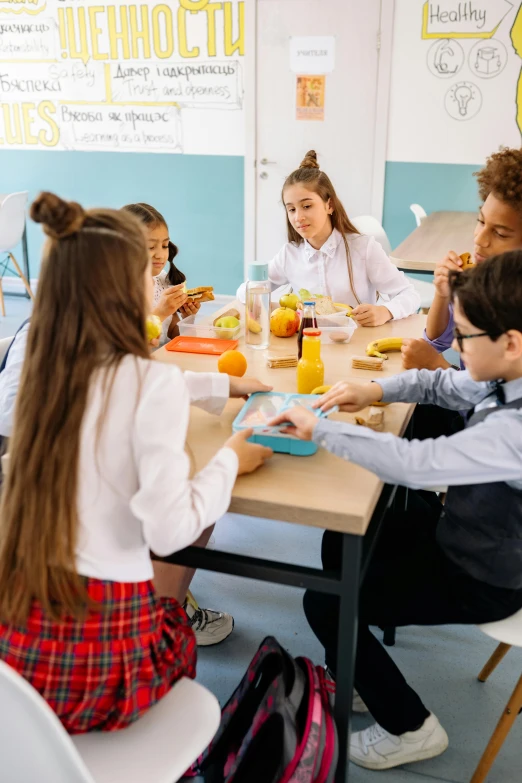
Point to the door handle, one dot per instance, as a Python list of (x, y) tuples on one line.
[(264, 175), (266, 162)]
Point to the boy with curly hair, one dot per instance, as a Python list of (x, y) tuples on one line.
[(499, 229)]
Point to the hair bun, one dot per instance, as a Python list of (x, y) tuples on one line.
[(310, 160), (59, 218)]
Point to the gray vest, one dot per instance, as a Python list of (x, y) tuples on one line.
[(481, 527)]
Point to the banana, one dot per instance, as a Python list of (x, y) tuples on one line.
[(321, 390), (377, 347), (344, 307), (253, 326)]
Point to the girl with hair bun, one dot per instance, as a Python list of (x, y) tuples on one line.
[(99, 477), (327, 255)]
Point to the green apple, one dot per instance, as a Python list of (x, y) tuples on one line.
[(289, 300), (230, 323)]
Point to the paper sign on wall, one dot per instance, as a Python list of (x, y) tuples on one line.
[(314, 54), (309, 97)]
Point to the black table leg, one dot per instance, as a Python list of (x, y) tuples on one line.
[(346, 646)]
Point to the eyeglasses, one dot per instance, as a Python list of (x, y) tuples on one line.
[(459, 337)]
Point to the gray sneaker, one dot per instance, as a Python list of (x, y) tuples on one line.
[(210, 627)]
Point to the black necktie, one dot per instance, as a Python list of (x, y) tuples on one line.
[(499, 391)]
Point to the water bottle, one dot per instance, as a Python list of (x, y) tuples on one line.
[(257, 309)]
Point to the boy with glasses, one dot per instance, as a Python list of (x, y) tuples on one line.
[(461, 563)]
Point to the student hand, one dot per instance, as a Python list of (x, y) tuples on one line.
[(449, 263), (350, 397), (420, 355), (242, 387), (189, 308), (153, 344), (250, 455), (371, 315), (301, 422), (170, 301)]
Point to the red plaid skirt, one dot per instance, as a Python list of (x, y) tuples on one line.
[(103, 673)]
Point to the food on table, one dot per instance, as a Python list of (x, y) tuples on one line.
[(372, 418), (467, 263), (289, 300), (379, 347), (367, 363), (325, 306), (321, 390), (232, 363), (348, 308), (227, 327), (284, 322), (232, 313), (253, 325), (152, 327), (338, 337), (276, 362), (204, 293)]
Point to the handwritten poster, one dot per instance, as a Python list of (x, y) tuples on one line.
[(309, 97), (456, 92), (125, 76)]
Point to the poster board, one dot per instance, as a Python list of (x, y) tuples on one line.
[(456, 91), (122, 76)]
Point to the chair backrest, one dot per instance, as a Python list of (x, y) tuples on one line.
[(5, 342), (33, 743), (419, 212), (508, 631), (369, 225), (12, 219)]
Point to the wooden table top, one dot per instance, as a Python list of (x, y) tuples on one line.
[(437, 234), (319, 491)]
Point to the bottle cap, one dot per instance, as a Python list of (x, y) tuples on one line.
[(258, 272), (309, 303), (312, 332)]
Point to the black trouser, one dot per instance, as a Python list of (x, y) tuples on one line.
[(432, 421), (409, 582)]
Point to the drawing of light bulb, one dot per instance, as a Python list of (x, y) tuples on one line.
[(463, 95)]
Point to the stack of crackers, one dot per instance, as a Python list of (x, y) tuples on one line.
[(367, 363), (276, 362)]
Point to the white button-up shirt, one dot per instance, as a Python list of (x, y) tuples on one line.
[(325, 272)]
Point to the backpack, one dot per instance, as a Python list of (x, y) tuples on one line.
[(277, 727)]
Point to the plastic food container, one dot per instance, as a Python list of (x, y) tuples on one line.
[(333, 334), (193, 326), (262, 407)]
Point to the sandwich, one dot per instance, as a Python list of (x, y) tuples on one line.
[(325, 306), (204, 293)]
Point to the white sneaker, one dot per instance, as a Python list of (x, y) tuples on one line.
[(357, 703), (210, 627), (376, 748)]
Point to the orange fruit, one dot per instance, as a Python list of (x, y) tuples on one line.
[(232, 363)]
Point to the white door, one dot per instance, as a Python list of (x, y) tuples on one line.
[(344, 141)]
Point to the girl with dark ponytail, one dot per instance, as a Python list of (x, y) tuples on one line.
[(170, 298)]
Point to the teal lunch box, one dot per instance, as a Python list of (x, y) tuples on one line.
[(264, 406)]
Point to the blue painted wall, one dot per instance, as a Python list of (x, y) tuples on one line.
[(201, 197), (435, 186)]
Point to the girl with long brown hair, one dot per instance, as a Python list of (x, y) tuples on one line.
[(97, 479), (326, 255)]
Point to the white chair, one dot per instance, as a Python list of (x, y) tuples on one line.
[(158, 748), (419, 212), (12, 225), (5, 342), (369, 225), (426, 291), (508, 633)]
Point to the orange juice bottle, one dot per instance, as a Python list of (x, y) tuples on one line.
[(310, 368)]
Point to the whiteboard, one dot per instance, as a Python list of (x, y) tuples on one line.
[(454, 83), (122, 76)]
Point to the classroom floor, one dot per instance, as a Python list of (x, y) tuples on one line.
[(441, 663)]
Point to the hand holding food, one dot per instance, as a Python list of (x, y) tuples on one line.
[(250, 455), (301, 422), (190, 308), (450, 263), (350, 397), (418, 354), (204, 293), (170, 301), (371, 315)]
